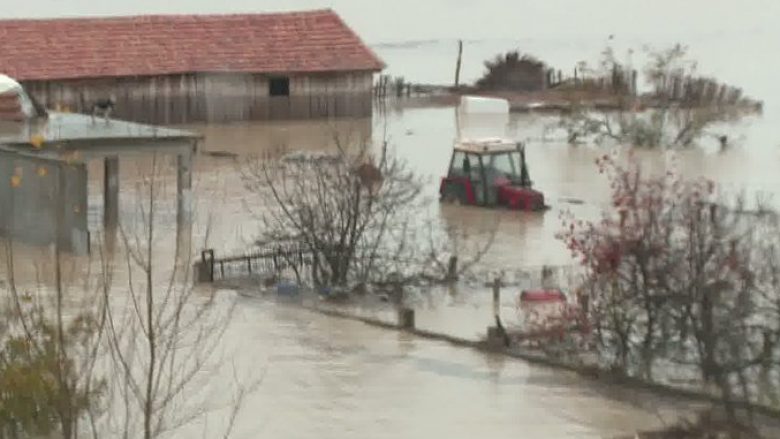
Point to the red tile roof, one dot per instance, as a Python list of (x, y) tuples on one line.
[(311, 41)]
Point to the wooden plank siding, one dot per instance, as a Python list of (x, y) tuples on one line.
[(213, 97)]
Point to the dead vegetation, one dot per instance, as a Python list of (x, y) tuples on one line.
[(679, 109), (705, 426), (358, 212)]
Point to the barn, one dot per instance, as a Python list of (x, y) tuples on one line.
[(172, 69)]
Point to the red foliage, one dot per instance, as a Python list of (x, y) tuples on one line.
[(639, 219), (633, 234)]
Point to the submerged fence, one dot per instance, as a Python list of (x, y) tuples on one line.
[(274, 261), (294, 263)]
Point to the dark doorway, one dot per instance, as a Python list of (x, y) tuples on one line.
[(279, 86)]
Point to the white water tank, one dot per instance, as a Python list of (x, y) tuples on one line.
[(483, 105), (482, 117), (15, 104)]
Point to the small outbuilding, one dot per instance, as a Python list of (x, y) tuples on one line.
[(44, 163)]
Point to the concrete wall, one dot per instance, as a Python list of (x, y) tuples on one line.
[(214, 97), (36, 194)]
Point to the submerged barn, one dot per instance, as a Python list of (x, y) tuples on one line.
[(195, 68)]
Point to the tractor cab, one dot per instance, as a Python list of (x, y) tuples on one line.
[(490, 172)]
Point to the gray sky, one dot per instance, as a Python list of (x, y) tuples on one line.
[(394, 20)]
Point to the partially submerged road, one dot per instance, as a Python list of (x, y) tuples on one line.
[(334, 378)]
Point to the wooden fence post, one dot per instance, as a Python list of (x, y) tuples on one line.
[(497, 300), (457, 64), (406, 318), (205, 267), (497, 335), (452, 269), (399, 87)]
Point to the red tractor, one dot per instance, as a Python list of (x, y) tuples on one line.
[(490, 172)]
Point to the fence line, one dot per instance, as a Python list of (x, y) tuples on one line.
[(288, 262)]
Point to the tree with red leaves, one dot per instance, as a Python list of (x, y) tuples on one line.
[(680, 278)]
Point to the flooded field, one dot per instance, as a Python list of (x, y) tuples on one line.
[(329, 378), (423, 136), (342, 379)]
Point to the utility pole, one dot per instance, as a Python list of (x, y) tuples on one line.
[(457, 65)]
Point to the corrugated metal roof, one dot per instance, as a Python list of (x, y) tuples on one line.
[(81, 131), (300, 42)]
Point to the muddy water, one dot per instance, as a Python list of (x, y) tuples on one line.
[(340, 379), (423, 137), (418, 41), (332, 378)]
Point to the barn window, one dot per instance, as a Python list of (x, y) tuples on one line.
[(279, 86)]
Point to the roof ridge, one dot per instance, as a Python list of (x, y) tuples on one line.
[(78, 18)]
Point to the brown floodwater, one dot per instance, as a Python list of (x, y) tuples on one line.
[(327, 377), (330, 378), (344, 379), (335, 378), (424, 136)]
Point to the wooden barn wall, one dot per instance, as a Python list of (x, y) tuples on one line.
[(213, 97)]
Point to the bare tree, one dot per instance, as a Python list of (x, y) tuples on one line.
[(352, 210), (677, 111), (87, 349), (163, 333), (359, 213)]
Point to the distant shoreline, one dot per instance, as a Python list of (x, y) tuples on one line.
[(546, 100)]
